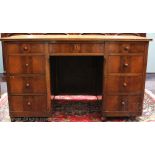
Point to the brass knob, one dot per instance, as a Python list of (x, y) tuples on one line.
[(26, 65), (126, 65), (28, 103), (124, 84), (77, 47), (25, 48), (27, 84), (126, 48)]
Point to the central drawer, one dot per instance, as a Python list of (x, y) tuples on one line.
[(76, 48), (29, 84)]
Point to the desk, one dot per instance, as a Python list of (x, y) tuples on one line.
[(117, 64)]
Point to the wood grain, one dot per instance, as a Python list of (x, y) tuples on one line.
[(73, 38), (40, 65)]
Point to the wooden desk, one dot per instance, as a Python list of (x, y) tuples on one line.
[(117, 64)]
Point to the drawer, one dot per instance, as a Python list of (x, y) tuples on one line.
[(30, 84), (125, 64), (77, 48), (92, 48), (131, 104), (126, 47), (28, 103), (124, 84), (25, 64), (20, 48)]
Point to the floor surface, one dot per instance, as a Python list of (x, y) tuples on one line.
[(150, 82)]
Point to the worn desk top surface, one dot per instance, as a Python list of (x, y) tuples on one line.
[(74, 38)]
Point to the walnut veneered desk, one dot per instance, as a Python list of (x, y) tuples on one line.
[(40, 66)]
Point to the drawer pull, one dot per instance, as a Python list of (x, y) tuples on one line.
[(125, 84), (77, 47), (27, 84), (25, 48), (123, 103), (28, 103), (126, 48), (126, 65), (26, 65)]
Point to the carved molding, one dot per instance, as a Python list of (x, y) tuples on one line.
[(14, 34), (117, 34)]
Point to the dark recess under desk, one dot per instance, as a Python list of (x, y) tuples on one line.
[(76, 75)]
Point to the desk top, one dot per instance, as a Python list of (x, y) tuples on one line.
[(74, 38)]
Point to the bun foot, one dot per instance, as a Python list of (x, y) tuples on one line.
[(103, 119), (13, 119), (133, 119)]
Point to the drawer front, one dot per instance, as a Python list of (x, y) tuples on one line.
[(131, 104), (92, 48), (125, 64), (31, 84), (124, 84), (126, 47), (28, 103), (61, 48), (25, 64), (77, 48), (20, 48)]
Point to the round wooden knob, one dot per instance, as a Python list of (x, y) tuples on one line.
[(126, 48), (25, 48), (123, 103), (125, 84), (28, 103), (126, 65), (26, 65), (27, 84)]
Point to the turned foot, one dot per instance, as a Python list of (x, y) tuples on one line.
[(132, 118)]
